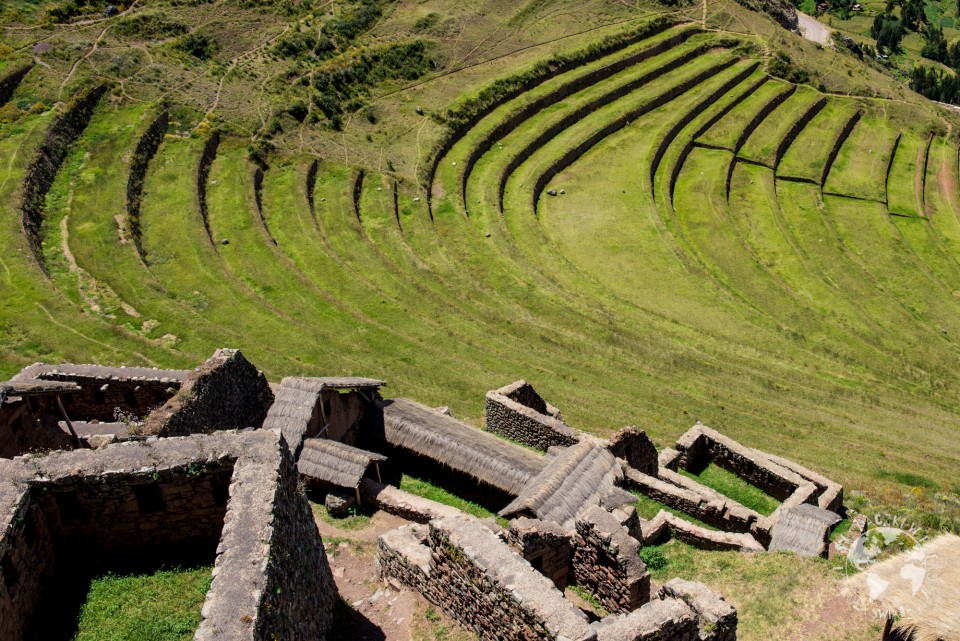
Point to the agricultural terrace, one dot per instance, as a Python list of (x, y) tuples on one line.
[(617, 202)]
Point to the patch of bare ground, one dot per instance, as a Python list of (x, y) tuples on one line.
[(371, 609)]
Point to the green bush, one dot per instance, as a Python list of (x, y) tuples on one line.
[(150, 26), (653, 558), (198, 45)]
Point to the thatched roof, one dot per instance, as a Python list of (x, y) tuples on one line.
[(320, 383), (921, 586), (334, 462), (291, 412), (480, 455), (579, 477), (36, 388), (803, 530)]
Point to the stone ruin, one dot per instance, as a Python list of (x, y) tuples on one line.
[(573, 522), (54, 406), (232, 493), (188, 480)]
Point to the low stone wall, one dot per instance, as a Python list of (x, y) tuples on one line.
[(403, 504), (702, 445), (607, 563), (717, 619), (480, 581), (636, 448), (518, 413), (226, 392), (271, 578), (546, 546), (830, 493), (654, 530), (660, 620)]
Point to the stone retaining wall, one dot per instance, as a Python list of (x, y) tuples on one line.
[(226, 392), (607, 563), (518, 413)]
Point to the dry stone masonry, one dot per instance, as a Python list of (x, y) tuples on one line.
[(239, 489), (225, 392), (518, 413)]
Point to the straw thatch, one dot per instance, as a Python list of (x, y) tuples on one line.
[(932, 611), (478, 454), (580, 476), (803, 530), (334, 462), (320, 383), (291, 413)]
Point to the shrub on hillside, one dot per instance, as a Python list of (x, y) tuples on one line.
[(150, 26), (341, 86), (198, 45), (353, 20)]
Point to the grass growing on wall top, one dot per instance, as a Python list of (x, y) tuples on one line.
[(160, 606), (428, 490), (731, 485)]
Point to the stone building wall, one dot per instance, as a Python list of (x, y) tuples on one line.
[(343, 411), (271, 578), (636, 448), (606, 562), (659, 620), (701, 446), (30, 425), (226, 392), (717, 619), (508, 415), (469, 572), (545, 545), (103, 390)]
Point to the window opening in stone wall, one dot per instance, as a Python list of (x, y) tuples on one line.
[(149, 499), (70, 508)]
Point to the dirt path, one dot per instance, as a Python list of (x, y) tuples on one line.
[(372, 609), (813, 29)]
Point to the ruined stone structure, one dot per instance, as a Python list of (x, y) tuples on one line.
[(463, 566), (28, 412), (518, 413), (225, 392), (236, 493), (606, 561), (135, 391)]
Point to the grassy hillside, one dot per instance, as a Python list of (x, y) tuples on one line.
[(776, 260)]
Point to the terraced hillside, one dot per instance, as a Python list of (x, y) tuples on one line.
[(655, 232)]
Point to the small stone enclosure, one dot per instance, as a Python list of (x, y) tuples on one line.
[(235, 493)]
